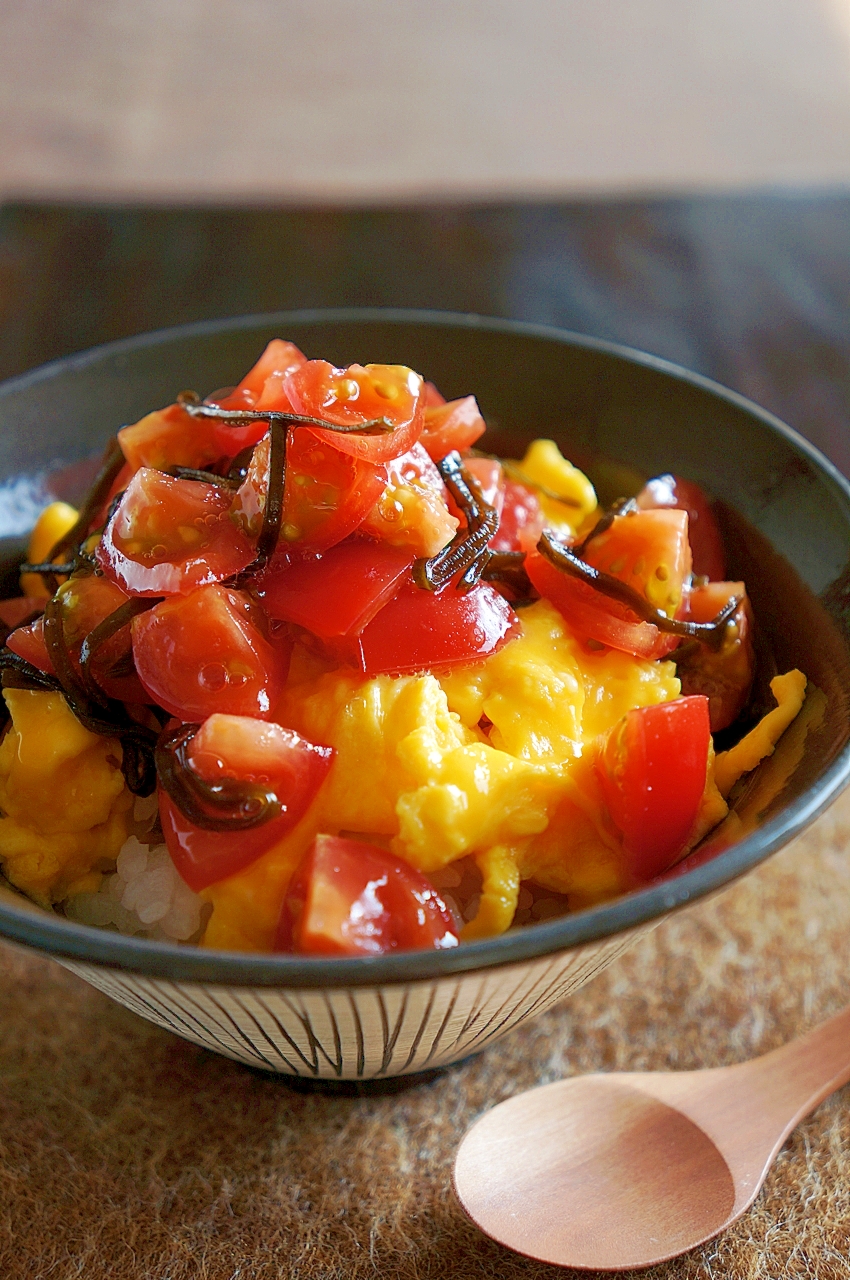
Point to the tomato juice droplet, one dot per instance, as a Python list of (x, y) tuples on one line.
[(213, 676)]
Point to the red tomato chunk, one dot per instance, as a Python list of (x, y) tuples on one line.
[(170, 536), (244, 750), (340, 591), (419, 630), (653, 771), (359, 394), (207, 652), (352, 898), (703, 530)]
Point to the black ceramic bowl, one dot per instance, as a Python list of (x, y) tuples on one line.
[(786, 513)]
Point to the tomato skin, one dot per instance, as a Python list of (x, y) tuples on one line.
[(431, 396), (170, 437), (261, 388), (339, 592), (420, 630), (594, 616), (244, 749), (453, 425), (648, 550), (709, 555), (352, 898), (725, 677), (326, 494), (413, 510), (360, 394), (16, 608), (653, 771), (85, 602), (206, 652), (28, 643), (520, 520), (488, 473), (169, 536)]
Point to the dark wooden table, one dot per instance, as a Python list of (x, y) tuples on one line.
[(126, 1153)]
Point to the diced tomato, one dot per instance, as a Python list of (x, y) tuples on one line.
[(419, 630), (488, 473), (431, 396), (704, 535), (326, 494), (648, 550), (85, 602), (240, 749), (413, 509), (360, 394), (724, 677), (340, 591), (170, 536), (456, 425), (653, 770), (261, 388), (206, 652), (520, 520), (16, 608), (170, 437), (350, 898), (595, 616), (28, 643)]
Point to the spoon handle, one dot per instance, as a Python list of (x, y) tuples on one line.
[(798, 1076), (749, 1110)]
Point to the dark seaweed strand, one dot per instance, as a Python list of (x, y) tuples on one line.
[(113, 461), (191, 402), (205, 477), (508, 567), (622, 507), (17, 673), (711, 634), (279, 424), (221, 806), (272, 511), (238, 469), (103, 716), (467, 553), (104, 630)]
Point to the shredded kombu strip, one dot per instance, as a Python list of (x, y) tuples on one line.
[(467, 554), (228, 805), (101, 715), (196, 408), (622, 507), (113, 461), (273, 510), (279, 424), (104, 630), (711, 634)]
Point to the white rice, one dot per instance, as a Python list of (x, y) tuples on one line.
[(145, 895)]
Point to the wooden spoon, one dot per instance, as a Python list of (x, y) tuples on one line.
[(608, 1172)]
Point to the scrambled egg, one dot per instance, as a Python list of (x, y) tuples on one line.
[(493, 761), (484, 761), (65, 808)]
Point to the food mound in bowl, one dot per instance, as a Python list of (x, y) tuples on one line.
[(309, 671)]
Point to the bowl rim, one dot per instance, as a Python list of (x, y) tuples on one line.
[(83, 944)]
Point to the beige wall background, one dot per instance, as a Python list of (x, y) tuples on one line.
[(353, 100)]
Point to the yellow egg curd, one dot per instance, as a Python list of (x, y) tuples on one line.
[(65, 808), (487, 761)]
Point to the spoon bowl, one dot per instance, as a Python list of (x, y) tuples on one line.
[(611, 1172)]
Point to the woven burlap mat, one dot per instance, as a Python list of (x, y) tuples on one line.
[(125, 1152)]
